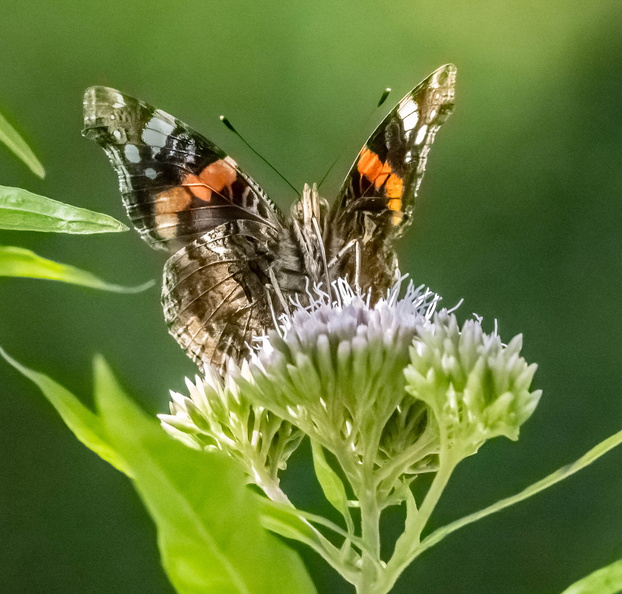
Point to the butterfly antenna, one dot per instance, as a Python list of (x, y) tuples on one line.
[(383, 98), (229, 125), (330, 169)]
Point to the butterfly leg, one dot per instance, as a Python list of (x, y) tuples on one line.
[(318, 234), (275, 317), (354, 245), (342, 252), (277, 290), (357, 266)]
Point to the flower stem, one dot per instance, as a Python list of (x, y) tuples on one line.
[(432, 497), (371, 564), (410, 540)]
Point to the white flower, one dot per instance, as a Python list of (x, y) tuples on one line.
[(386, 387), (216, 415), (390, 389)]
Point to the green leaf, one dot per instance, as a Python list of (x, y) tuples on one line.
[(21, 210), (208, 522), (287, 521), (404, 542), (10, 137), (283, 520), (331, 484), (607, 580), (559, 475), (82, 422), (15, 261)]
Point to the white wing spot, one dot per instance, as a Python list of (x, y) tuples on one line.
[(156, 132), (151, 173), (421, 134), (132, 154), (409, 112), (159, 121), (118, 101), (153, 138)]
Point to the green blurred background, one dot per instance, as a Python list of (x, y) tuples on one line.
[(520, 214)]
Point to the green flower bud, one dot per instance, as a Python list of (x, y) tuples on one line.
[(476, 386), (216, 415)]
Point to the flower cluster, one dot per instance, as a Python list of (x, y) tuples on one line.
[(216, 415), (387, 388), (335, 370), (476, 387)]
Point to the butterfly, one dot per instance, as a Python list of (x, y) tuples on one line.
[(236, 262)]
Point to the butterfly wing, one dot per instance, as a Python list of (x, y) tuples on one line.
[(215, 293), (176, 184), (376, 201), (185, 195)]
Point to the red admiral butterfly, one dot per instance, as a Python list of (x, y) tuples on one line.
[(236, 260)]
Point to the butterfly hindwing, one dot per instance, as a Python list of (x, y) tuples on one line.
[(215, 291), (176, 184)]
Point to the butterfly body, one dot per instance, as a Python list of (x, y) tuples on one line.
[(236, 263)]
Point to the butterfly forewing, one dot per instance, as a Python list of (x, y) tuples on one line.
[(389, 168), (176, 184), (184, 194), (376, 201)]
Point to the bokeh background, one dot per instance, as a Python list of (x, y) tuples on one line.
[(520, 214)]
